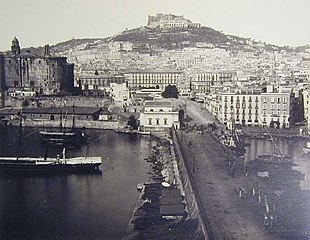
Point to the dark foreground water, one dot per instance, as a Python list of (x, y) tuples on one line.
[(73, 206)]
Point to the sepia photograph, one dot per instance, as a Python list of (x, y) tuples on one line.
[(155, 120)]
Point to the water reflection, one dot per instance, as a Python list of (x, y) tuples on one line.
[(94, 205)]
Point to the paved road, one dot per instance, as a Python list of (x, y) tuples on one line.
[(229, 216), (198, 113)]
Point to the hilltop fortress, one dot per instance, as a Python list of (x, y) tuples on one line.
[(169, 21)]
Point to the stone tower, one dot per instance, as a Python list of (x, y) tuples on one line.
[(47, 52), (15, 48)]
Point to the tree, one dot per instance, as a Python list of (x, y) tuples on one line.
[(25, 103), (171, 91), (132, 122)]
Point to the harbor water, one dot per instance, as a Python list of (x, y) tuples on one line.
[(287, 146), (72, 205)]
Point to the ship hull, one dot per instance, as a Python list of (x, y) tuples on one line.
[(74, 138), (49, 165)]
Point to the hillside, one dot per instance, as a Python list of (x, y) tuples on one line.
[(172, 38), (163, 39)]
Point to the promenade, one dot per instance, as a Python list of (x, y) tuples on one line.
[(226, 216)]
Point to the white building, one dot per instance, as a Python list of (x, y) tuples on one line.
[(120, 93), (158, 115), (250, 108)]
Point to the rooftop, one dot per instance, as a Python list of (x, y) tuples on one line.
[(158, 104)]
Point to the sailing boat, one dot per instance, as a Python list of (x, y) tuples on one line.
[(73, 137), (27, 164), (277, 155)]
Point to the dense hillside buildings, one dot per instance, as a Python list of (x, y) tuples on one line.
[(27, 74), (168, 21)]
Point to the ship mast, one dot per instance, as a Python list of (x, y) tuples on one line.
[(271, 137), (18, 145)]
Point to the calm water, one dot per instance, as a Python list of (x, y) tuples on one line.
[(290, 147), (73, 206)]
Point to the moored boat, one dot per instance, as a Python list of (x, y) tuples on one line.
[(49, 164), (69, 137), (22, 163), (72, 138)]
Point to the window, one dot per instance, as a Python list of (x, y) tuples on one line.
[(264, 99), (151, 110), (272, 99), (278, 100), (264, 106), (284, 106), (165, 121), (161, 110), (150, 121), (157, 121), (284, 100)]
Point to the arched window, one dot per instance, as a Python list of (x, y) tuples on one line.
[(165, 121), (157, 121), (150, 121)]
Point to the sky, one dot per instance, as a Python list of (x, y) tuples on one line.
[(39, 22)]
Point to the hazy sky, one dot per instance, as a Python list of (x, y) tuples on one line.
[(40, 22)]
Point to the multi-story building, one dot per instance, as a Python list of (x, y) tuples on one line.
[(306, 106), (120, 93), (152, 79), (42, 75), (158, 115), (97, 85), (201, 82), (167, 21), (255, 108)]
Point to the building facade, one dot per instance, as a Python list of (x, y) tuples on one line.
[(158, 115), (201, 82), (152, 79), (42, 75), (270, 109), (98, 85)]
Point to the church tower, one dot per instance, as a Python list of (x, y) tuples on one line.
[(15, 48)]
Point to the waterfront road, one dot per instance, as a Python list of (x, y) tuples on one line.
[(226, 215)]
